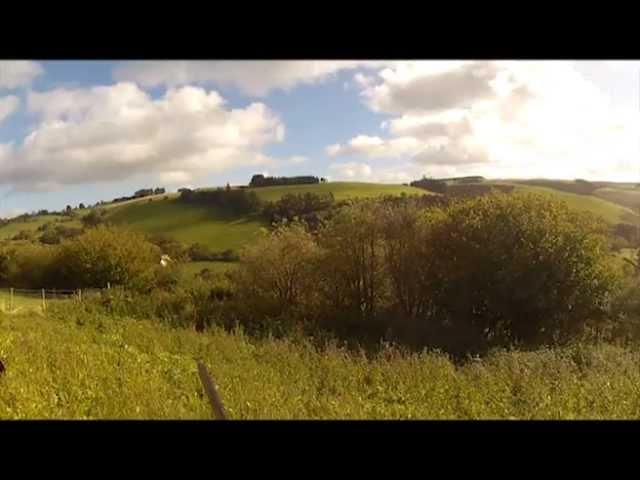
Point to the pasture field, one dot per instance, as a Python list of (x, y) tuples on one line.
[(340, 190), (628, 197), (12, 228), (193, 268), (611, 212), (85, 366), (189, 223)]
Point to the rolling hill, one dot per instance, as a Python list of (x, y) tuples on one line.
[(612, 212), (191, 223)]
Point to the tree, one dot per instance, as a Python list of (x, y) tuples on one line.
[(93, 218), (517, 269), (278, 273), (81, 206), (112, 255)]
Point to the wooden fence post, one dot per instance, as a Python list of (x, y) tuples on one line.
[(11, 300), (80, 294), (216, 403), (44, 304)]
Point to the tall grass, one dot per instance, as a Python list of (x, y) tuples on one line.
[(91, 366)]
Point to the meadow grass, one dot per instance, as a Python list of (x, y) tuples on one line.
[(10, 229), (189, 223), (627, 197), (86, 366), (340, 190), (192, 268), (611, 212)]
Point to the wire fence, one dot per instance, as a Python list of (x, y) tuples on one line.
[(16, 299)]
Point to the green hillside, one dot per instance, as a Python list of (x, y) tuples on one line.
[(188, 223), (191, 223), (611, 212), (340, 190), (10, 229), (627, 197)]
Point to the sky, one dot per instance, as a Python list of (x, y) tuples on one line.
[(84, 131)]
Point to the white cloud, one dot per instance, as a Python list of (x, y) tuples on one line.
[(8, 106), (256, 78), (396, 174), (18, 73), (350, 170), (297, 160), (502, 117), (112, 132)]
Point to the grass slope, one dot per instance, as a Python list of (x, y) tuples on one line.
[(188, 223), (627, 197), (196, 223), (340, 190), (610, 211), (12, 228), (77, 366)]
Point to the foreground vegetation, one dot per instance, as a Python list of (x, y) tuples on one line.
[(75, 365), (498, 305)]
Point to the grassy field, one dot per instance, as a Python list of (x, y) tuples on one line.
[(628, 197), (83, 367), (9, 230), (189, 223), (610, 211), (340, 190), (193, 268)]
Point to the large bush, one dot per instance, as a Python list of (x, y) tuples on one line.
[(112, 255), (464, 275), (517, 269), (278, 275)]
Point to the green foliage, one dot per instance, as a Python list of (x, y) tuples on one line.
[(201, 253), (109, 255), (93, 218), (277, 274), (521, 269), (464, 276), (75, 364)]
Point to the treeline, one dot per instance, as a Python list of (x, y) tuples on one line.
[(460, 187), (262, 181), (144, 192), (237, 201), (463, 275)]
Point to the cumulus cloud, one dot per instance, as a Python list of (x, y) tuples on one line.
[(108, 133), (8, 106), (255, 78), (18, 73), (396, 173), (505, 117)]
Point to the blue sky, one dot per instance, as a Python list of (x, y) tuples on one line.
[(80, 131)]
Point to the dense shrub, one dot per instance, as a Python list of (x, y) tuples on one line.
[(29, 266), (104, 255), (308, 207), (521, 269), (464, 275), (93, 218), (431, 184), (201, 253), (278, 275), (236, 201), (262, 181), (170, 246)]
